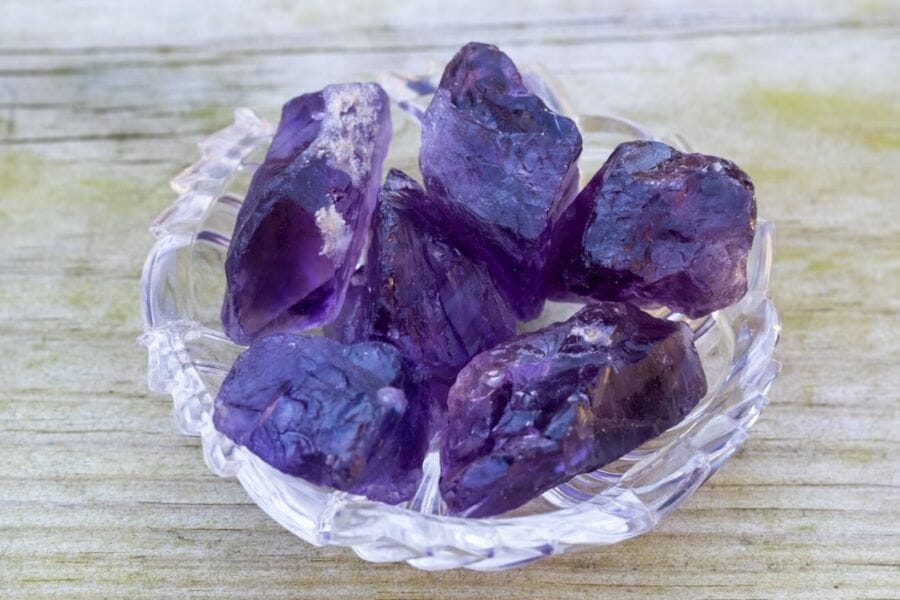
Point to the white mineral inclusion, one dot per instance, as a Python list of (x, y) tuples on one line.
[(336, 236), (393, 398), (349, 120), (344, 141), (594, 334), (493, 378)]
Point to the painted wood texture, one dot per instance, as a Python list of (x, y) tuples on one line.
[(101, 103)]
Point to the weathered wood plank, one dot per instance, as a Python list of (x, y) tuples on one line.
[(101, 103)]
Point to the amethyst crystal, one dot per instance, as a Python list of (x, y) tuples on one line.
[(422, 295), (303, 224), (657, 227), (334, 415), (499, 167), (570, 398)]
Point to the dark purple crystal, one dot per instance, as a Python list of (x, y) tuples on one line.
[(657, 227), (499, 167), (303, 224), (535, 411), (422, 295), (335, 415)]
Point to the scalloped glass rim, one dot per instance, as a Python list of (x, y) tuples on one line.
[(189, 356)]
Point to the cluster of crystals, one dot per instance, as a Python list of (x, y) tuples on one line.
[(420, 345)]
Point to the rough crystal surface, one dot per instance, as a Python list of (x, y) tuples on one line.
[(438, 307), (535, 411), (657, 227), (499, 167), (335, 415), (303, 224)]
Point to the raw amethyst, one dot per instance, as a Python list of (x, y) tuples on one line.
[(422, 295), (657, 227), (499, 167), (303, 224), (535, 411), (332, 414)]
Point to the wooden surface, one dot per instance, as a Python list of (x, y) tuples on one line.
[(101, 103)]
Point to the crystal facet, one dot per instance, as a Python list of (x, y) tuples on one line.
[(303, 224), (423, 295), (499, 167), (535, 411), (657, 227), (335, 415)]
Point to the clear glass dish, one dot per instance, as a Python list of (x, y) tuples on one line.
[(189, 356)]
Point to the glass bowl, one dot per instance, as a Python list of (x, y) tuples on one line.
[(181, 292)]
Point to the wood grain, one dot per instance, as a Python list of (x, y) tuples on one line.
[(101, 102)]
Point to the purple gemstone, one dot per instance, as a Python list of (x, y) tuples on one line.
[(303, 224), (499, 167), (335, 415), (533, 412), (421, 294), (657, 227), (351, 324)]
